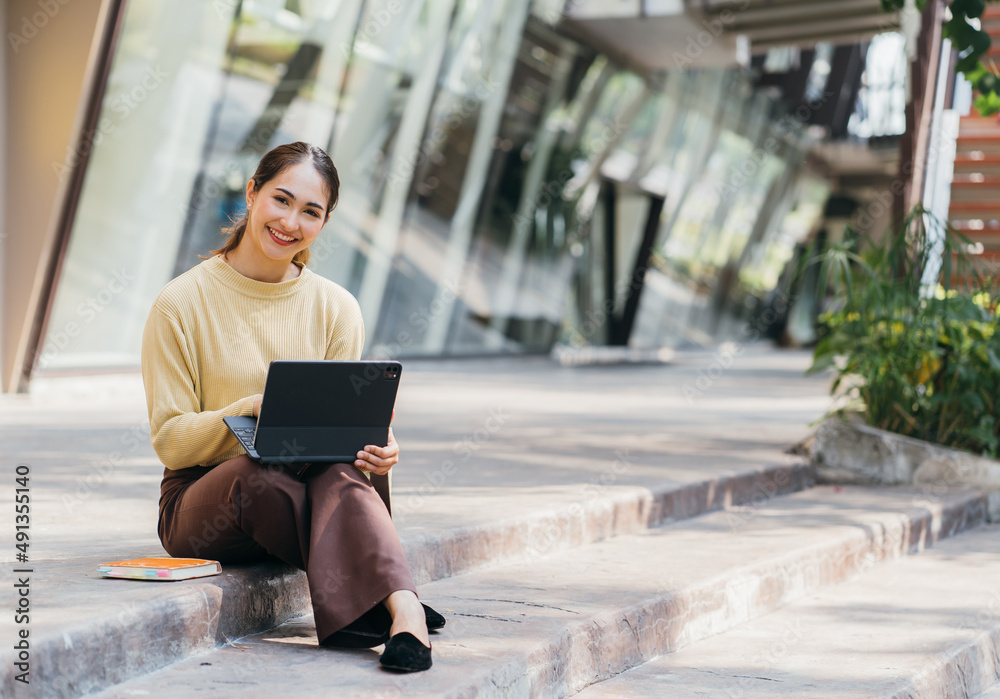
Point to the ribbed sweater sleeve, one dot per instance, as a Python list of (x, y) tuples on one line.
[(184, 434), (348, 338)]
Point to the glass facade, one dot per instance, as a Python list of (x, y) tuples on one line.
[(504, 187), (881, 106)]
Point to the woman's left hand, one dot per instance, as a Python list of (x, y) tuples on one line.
[(379, 459)]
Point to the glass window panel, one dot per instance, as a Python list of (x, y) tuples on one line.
[(694, 137), (819, 73), (605, 124), (880, 109), (586, 314), (467, 134), (692, 226), (521, 232), (623, 161), (164, 80), (726, 246), (280, 86), (769, 257), (383, 106), (485, 120)]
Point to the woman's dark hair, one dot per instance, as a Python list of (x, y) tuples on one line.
[(274, 162)]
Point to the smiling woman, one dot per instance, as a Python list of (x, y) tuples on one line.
[(295, 188), (206, 348)]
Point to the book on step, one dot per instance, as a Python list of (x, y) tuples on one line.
[(160, 568)]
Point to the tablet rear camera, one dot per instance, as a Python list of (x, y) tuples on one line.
[(391, 372)]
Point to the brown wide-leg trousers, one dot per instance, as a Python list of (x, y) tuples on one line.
[(331, 523)]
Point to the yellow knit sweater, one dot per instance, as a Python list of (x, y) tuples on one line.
[(209, 339)]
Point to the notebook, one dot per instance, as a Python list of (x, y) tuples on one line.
[(322, 411), (160, 568)]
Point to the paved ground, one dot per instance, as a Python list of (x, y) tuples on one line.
[(482, 440), (502, 440), (479, 437)]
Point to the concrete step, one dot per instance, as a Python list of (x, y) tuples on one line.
[(79, 647), (924, 626), (552, 626)]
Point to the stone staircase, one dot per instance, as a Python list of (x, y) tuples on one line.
[(87, 649), (818, 591), (924, 626)]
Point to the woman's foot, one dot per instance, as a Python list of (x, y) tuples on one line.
[(408, 615), (435, 620), (404, 653), (409, 645), (367, 631)]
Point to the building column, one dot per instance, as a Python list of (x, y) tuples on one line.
[(48, 66)]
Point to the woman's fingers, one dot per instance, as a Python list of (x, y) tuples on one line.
[(375, 464), (379, 459), (380, 456)]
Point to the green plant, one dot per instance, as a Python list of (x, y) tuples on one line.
[(917, 359), (971, 42)]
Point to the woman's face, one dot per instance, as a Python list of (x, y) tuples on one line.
[(287, 213)]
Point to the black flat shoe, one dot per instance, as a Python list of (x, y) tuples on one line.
[(405, 653), (435, 620), (372, 628), (369, 630)]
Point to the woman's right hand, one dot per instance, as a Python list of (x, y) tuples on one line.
[(257, 399)]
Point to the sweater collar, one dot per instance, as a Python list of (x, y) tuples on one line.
[(252, 287)]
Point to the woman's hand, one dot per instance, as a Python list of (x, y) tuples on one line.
[(379, 459), (257, 399)]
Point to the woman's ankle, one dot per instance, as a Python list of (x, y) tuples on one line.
[(407, 615)]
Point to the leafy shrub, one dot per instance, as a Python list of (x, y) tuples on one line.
[(922, 360)]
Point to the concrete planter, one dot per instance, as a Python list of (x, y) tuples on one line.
[(845, 452)]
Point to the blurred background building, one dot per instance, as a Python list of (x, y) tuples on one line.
[(516, 174)]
